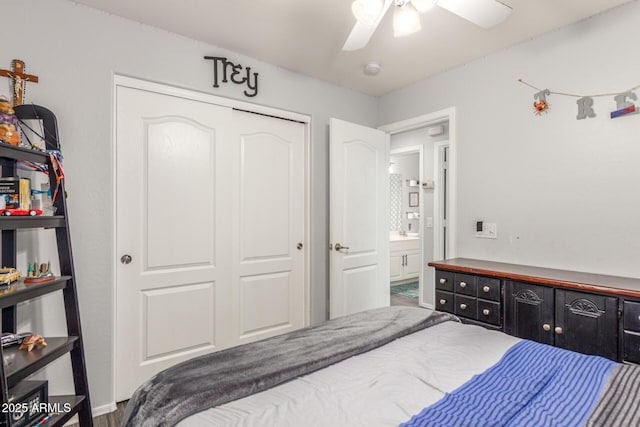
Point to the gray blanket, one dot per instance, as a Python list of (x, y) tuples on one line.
[(217, 378)]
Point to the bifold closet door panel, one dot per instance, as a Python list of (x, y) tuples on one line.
[(173, 232), (268, 200)]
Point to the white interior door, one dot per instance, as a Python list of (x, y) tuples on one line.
[(359, 218), (268, 191), (174, 284)]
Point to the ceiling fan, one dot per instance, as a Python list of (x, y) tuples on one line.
[(406, 20)]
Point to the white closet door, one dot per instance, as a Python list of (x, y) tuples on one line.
[(173, 232), (269, 211), (210, 234)]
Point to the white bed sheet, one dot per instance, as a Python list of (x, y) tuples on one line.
[(383, 387)]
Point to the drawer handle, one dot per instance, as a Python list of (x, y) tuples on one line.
[(558, 330), (443, 280), (463, 306), (546, 327), (443, 301), (486, 289), (486, 312), (463, 285)]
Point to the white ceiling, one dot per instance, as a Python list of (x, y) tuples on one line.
[(307, 35)]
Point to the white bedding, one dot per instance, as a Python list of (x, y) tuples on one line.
[(383, 387)]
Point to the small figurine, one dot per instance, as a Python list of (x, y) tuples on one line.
[(8, 123), (39, 273), (32, 341)]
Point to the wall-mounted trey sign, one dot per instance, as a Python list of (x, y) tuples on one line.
[(225, 71)]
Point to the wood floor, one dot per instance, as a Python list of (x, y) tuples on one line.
[(402, 300), (109, 420)]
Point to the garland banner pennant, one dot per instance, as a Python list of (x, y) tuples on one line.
[(585, 103)]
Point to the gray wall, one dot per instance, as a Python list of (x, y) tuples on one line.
[(76, 51), (562, 191)]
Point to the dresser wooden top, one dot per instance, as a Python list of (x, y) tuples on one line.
[(611, 285)]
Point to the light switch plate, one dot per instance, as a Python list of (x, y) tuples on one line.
[(489, 231)]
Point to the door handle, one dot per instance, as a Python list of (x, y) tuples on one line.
[(339, 247), (126, 259)]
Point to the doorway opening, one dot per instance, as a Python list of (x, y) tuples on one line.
[(406, 203), (433, 137)]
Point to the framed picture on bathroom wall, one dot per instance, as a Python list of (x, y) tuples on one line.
[(414, 201)]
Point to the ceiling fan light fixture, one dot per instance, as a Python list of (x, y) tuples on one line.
[(424, 5), (367, 11), (406, 19)]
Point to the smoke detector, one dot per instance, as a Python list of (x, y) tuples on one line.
[(372, 68)]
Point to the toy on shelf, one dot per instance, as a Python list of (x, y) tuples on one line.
[(39, 273), (8, 275), (8, 123), (32, 341), (8, 339), (20, 212)]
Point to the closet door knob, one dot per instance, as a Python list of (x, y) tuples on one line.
[(558, 330), (299, 246), (463, 284), (339, 247), (443, 280), (486, 289), (126, 259), (546, 327), (463, 306), (486, 312), (443, 301)]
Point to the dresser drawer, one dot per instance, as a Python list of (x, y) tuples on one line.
[(632, 316), (444, 280), (631, 347), (444, 301), (465, 306), (489, 288), (465, 284), (489, 311)]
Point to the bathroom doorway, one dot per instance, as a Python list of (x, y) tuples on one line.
[(405, 224), (418, 233)]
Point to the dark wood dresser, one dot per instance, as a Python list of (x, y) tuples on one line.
[(588, 313)]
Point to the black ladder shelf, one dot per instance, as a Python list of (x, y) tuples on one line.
[(17, 365)]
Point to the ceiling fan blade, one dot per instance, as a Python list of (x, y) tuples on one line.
[(485, 13), (361, 33)]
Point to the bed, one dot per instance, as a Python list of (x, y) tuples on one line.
[(390, 367)]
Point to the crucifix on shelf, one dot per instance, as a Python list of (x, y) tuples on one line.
[(19, 78)]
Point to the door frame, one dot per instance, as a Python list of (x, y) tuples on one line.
[(141, 84), (439, 197), (427, 296)]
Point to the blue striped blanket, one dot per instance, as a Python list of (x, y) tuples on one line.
[(532, 385)]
